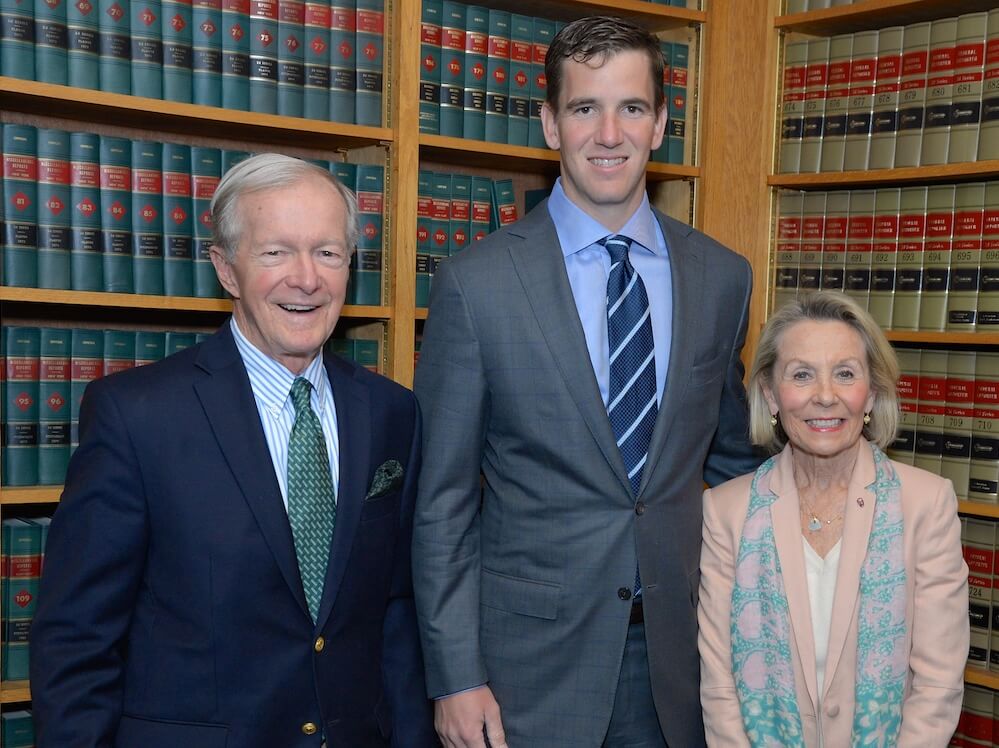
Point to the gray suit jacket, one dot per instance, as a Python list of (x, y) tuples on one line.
[(521, 585)]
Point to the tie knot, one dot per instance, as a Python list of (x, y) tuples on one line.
[(301, 388), (617, 246)]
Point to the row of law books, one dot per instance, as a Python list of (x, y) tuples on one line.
[(978, 544), (46, 370), (926, 93), (17, 729), (452, 212), (92, 212), (917, 258), (800, 6), (22, 557), (318, 59), (978, 726)]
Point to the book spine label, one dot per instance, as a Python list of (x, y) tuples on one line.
[(83, 45), (51, 42), (316, 103), (476, 56), (430, 67), (498, 77), (366, 281), (544, 30), (55, 235), (236, 54), (452, 91), (440, 215), (481, 208), (20, 453), (20, 190), (343, 69), (521, 32), (460, 213), (369, 62), (53, 405), (206, 52), (178, 269), (291, 58), (424, 221), (505, 201), (147, 49), (263, 56), (677, 102), (116, 221), (86, 260), (177, 50), (147, 217)]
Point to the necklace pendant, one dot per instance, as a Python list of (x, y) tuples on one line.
[(814, 524)]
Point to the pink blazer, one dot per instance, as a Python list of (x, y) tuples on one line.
[(936, 615)]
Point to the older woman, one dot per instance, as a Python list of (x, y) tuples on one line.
[(834, 600)]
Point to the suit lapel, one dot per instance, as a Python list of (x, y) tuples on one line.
[(353, 417), (228, 402)]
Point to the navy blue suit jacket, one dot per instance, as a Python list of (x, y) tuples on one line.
[(171, 612)]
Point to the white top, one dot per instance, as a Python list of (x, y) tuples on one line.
[(821, 573)]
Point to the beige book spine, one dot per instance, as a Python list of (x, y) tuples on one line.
[(885, 253), (936, 256), (966, 257)]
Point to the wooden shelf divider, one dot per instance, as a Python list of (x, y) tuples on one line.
[(14, 691), (963, 172), (873, 14)]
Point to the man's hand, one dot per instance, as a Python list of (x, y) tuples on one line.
[(468, 719)]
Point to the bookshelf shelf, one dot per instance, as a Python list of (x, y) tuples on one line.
[(30, 495), (945, 338), (650, 15), (978, 509), (45, 99), (968, 171), (873, 14), (979, 677), (14, 691)]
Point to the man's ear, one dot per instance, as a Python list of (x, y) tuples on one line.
[(549, 127), (223, 269)]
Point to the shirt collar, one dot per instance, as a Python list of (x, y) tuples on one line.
[(578, 230)]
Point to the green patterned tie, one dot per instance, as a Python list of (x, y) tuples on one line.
[(311, 508)]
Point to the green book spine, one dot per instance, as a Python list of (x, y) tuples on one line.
[(291, 58), (966, 108), (115, 45), (505, 201), (543, 31), (178, 41), (440, 215), (176, 342), (661, 154), (979, 553), (677, 127), (790, 205), (20, 191), (988, 137), (424, 223), (18, 729), (119, 351), (473, 126), (116, 221), (521, 36), (236, 54), (909, 263), (932, 403), (983, 477), (178, 228), (860, 112), (368, 61), (430, 67), (937, 257), (86, 365), (345, 173), (837, 103), (884, 122), (792, 105), (55, 234), (316, 86), (939, 92), (50, 41), (150, 346), (147, 217), (908, 398), (959, 413), (147, 48), (206, 171), (22, 541), (83, 44), (885, 255), (366, 354), (366, 280), (461, 213), (53, 404), (912, 94), (20, 452), (17, 39), (498, 77), (343, 69), (966, 257), (859, 245), (816, 81), (988, 289), (482, 208), (86, 257), (833, 277), (230, 158), (206, 52), (263, 56), (812, 229), (342, 347), (452, 96)]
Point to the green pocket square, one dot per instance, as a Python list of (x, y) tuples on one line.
[(388, 477)]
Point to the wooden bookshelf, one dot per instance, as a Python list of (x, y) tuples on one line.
[(947, 173), (874, 14), (14, 691), (978, 677), (978, 509), (30, 495), (650, 15), (943, 338)]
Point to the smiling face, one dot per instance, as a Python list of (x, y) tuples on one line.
[(605, 128), (288, 278), (821, 387)]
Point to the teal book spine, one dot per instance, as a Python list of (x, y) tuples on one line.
[(83, 45), (178, 224), (236, 54), (86, 365), (178, 41), (966, 108), (86, 257), (20, 191), (116, 220), (543, 31), (498, 77), (147, 48), (22, 549), (20, 452), (343, 69), (342, 347), (440, 215), (368, 60), (147, 217), (317, 60), (430, 67), (206, 52), (476, 58), (175, 341), (263, 56), (53, 404), (939, 92), (521, 36), (291, 58), (937, 256), (366, 280), (452, 93), (55, 232), (230, 158), (115, 60), (461, 213), (482, 207), (119, 351), (51, 42), (366, 354), (677, 126), (17, 39), (505, 202), (424, 221), (345, 173), (18, 729), (150, 346), (206, 171), (661, 154), (912, 94)]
